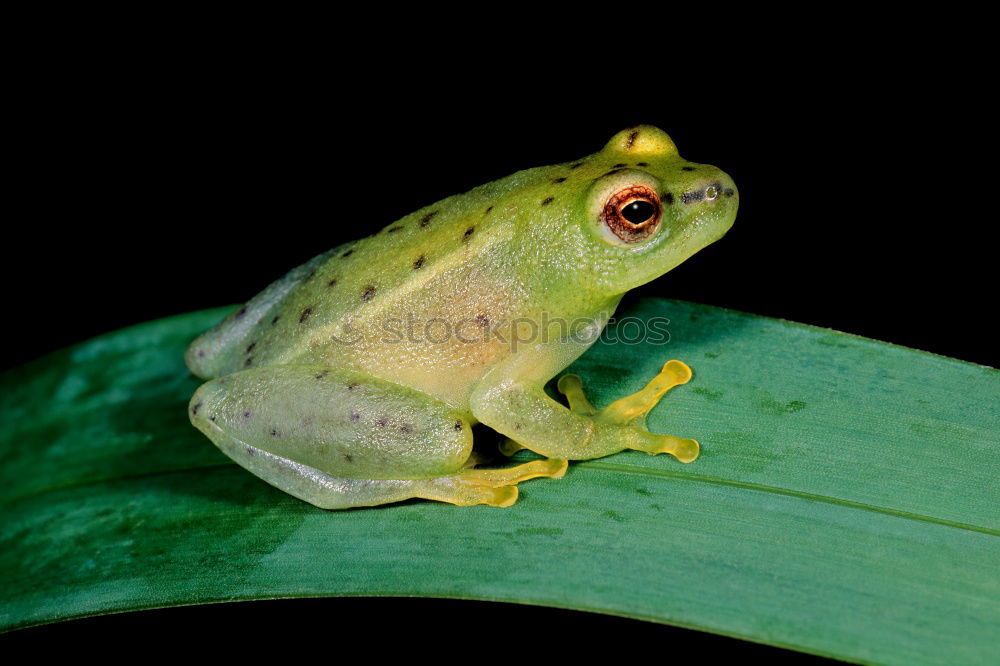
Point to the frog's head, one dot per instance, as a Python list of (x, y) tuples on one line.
[(647, 209)]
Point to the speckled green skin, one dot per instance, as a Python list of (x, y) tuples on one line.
[(372, 361)]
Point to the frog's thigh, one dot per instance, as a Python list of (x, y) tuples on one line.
[(339, 439), (330, 492), (341, 423)]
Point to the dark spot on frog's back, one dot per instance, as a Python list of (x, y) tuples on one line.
[(195, 408), (419, 262), (687, 168), (458, 425), (632, 136), (667, 198), (369, 293), (332, 282), (468, 233), (642, 164), (305, 315), (392, 230), (275, 320), (619, 165), (577, 165), (426, 219), (547, 200), (242, 311), (489, 210), (558, 180), (251, 346), (347, 254)]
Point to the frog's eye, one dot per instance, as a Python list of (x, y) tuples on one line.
[(632, 214), (711, 192)]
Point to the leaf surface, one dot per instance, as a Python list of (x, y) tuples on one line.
[(845, 503)]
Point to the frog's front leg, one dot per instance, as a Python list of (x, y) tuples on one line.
[(524, 413), (338, 439)]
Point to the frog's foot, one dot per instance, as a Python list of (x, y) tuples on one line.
[(632, 410), (553, 468), (496, 487), (462, 491)]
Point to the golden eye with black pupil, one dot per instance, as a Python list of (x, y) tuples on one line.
[(632, 214)]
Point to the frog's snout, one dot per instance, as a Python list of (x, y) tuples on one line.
[(709, 198)]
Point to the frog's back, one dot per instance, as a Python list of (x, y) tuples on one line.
[(421, 262)]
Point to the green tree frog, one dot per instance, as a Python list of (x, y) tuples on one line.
[(355, 379)]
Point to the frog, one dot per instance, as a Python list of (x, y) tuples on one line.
[(355, 380)]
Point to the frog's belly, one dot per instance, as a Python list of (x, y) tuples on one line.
[(436, 360)]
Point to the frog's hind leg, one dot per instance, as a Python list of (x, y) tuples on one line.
[(553, 468), (494, 487), (338, 438), (330, 492)]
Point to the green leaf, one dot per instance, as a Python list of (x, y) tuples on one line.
[(845, 502)]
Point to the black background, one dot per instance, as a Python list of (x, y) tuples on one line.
[(864, 206), (171, 182)]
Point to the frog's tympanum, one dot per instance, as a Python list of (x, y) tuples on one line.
[(355, 379)]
